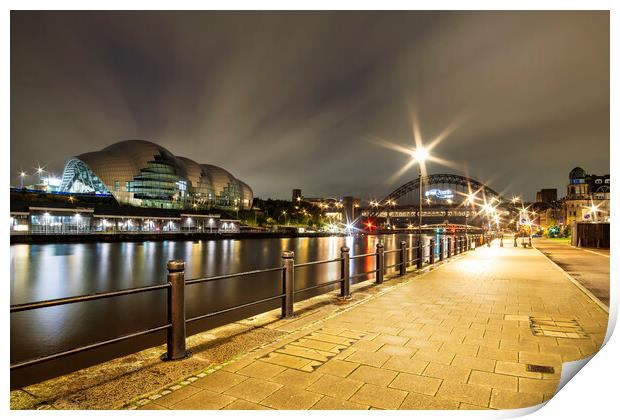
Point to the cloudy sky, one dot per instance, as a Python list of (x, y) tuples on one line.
[(303, 100)]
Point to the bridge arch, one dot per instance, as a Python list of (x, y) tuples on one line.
[(411, 188)]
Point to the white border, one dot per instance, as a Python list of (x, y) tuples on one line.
[(592, 395)]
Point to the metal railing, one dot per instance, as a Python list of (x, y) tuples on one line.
[(176, 285)]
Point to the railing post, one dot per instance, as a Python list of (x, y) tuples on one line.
[(175, 342), (501, 241), (441, 248), (449, 250), (380, 263), (403, 258), (344, 272), (420, 253), (530, 241), (288, 283), (431, 257), (489, 241)]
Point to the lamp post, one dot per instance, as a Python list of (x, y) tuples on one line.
[(419, 203), (468, 202), (22, 174), (40, 173), (420, 154)]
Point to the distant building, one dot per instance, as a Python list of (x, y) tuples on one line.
[(549, 214), (350, 206), (297, 195), (143, 174), (343, 209), (587, 197), (547, 195)]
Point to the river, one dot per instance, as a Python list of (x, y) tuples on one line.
[(50, 271)]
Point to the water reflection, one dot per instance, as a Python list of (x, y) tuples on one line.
[(40, 272)]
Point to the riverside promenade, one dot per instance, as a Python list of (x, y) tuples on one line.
[(487, 330)]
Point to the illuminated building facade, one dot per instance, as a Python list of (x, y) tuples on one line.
[(144, 174), (587, 197)]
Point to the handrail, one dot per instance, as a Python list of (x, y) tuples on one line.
[(244, 305), (53, 356), (232, 275), (370, 254), (84, 298), (308, 264), (318, 286), (353, 276), (176, 284)]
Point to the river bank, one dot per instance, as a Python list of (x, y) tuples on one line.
[(172, 236)]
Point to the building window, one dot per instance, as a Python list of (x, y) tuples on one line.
[(598, 181), (127, 186), (117, 186), (607, 181)]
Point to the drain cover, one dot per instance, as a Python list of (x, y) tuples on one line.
[(556, 327), (540, 369)]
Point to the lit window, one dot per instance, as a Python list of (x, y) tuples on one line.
[(117, 186)]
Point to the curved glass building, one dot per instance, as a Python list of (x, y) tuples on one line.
[(144, 174)]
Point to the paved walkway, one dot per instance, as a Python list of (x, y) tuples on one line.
[(589, 266), (483, 331)]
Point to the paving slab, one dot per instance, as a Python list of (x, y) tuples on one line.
[(463, 335)]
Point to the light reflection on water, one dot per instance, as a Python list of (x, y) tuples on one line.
[(49, 271)]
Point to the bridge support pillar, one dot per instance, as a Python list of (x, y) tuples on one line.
[(431, 255), (449, 246)]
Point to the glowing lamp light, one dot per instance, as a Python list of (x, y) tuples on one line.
[(420, 154)]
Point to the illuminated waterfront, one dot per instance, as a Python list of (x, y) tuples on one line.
[(49, 271)]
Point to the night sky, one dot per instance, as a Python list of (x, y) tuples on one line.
[(302, 100)]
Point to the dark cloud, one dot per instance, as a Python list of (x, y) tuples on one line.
[(287, 100)]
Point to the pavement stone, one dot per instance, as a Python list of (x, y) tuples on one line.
[(457, 338), (379, 397)]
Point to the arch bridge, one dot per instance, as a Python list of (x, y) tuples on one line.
[(443, 202)]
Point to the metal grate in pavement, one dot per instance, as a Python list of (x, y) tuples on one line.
[(313, 350), (540, 369), (556, 327)]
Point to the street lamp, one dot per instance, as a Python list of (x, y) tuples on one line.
[(40, 172), (420, 154), (468, 202)]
